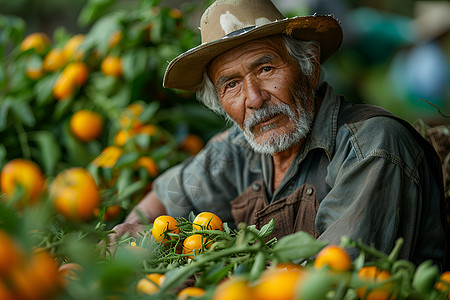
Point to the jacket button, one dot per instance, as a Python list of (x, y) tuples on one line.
[(309, 191), (256, 187)]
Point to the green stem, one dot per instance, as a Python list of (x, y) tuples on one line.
[(23, 140)]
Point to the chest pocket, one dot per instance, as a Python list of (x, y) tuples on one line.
[(297, 212)]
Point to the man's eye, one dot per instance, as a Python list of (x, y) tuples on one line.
[(231, 84), (267, 69)]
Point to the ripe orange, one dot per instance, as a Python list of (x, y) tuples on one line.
[(147, 130), (122, 136), (9, 254), (38, 41), (75, 194), (441, 286), (77, 72), (150, 283), (162, 225), (190, 293), (63, 87), (372, 274), (5, 292), (114, 38), (192, 144), (193, 245), (108, 157), (277, 284), (86, 125), (72, 49), (235, 288), (129, 119), (34, 72), (37, 279), (54, 60), (112, 66), (23, 173), (207, 221), (149, 164), (335, 257)]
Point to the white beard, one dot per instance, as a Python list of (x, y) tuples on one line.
[(274, 142)]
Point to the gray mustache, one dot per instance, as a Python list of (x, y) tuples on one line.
[(265, 113)]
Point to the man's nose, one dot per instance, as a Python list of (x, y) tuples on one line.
[(255, 93)]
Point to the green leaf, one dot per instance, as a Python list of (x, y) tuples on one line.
[(134, 63), (4, 109), (50, 150), (23, 112), (296, 246), (267, 229), (149, 112), (93, 10), (43, 89), (127, 159), (133, 188), (175, 276)]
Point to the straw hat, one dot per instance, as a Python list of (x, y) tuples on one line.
[(229, 23)]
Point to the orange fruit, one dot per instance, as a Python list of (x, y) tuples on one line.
[(192, 144), (335, 257), (72, 49), (77, 72), (112, 66), (129, 119), (190, 293), (54, 60), (114, 38), (122, 136), (23, 173), (5, 292), (34, 71), (235, 288), (150, 283), (86, 125), (147, 130), (162, 225), (38, 41), (175, 13), (108, 157), (193, 245), (149, 164), (9, 254), (207, 221), (440, 285), (38, 278), (75, 194), (372, 274), (277, 284), (63, 88)]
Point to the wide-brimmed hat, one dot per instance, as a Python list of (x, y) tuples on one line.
[(229, 23)]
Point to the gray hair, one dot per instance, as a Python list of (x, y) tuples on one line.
[(301, 51)]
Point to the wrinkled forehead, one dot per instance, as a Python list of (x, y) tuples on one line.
[(271, 43)]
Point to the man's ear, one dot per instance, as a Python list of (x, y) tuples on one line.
[(315, 75)]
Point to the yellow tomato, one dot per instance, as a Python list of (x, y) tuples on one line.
[(162, 225), (207, 221), (335, 257)]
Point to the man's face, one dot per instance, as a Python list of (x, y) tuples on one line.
[(263, 90)]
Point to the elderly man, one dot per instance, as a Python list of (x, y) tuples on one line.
[(297, 153)]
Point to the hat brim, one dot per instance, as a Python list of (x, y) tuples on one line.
[(186, 70)]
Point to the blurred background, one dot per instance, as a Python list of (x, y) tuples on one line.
[(395, 53)]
